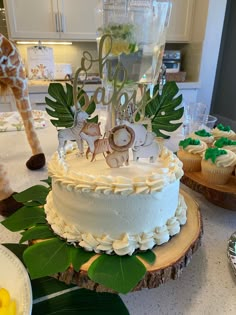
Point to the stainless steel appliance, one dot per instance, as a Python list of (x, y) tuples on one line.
[(172, 60)]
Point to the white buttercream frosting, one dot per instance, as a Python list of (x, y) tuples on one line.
[(75, 172), (230, 148), (225, 160), (207, 139), (127, 243), (111, 210), (217, 133), (196, 148)]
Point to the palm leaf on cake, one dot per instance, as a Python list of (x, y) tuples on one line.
[(61, 104), (164, 109)]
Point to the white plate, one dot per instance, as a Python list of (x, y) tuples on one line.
[(14, 278)]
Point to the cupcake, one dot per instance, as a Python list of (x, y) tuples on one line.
[(203, 135), (223, 131), (225, 143), (218, 165), (190, 154)]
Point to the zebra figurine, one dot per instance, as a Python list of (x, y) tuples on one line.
[(73, 133)]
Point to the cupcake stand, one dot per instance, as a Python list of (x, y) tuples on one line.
[(221, 195)]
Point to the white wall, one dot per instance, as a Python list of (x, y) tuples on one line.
[(211, 46)]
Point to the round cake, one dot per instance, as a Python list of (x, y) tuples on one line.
[(115, 210)]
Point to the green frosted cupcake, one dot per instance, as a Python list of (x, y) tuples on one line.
[(217, 165), (225, 143)]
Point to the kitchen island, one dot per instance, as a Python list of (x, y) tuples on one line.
[(206, 286)]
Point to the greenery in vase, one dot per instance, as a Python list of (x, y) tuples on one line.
[(122, 38)]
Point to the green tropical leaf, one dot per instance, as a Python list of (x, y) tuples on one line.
[(24, 218), (148, 256), (47, 258), (164, 110), (37, 232), (44, 286), (37, 194), (82, 302), (120, 273), (79, 257), (61, 107), (48, 181)]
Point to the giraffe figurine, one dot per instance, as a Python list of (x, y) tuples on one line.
[(13, 77)]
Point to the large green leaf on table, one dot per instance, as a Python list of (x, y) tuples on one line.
[(47, 258), (37, 232), (48, 181), (33, 196), (149, 256), (44, 286), (79, 257), (60, 105), (82, 302), (164, 110), (24, 218), (120, 273)]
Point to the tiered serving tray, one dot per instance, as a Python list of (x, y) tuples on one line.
[(220, 195), (172, 257)]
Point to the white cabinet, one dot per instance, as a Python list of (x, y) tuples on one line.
[(51, 19), (181, 20), (189, 95), (75, 19)]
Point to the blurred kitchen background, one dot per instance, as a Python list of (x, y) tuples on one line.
[(195, 52)]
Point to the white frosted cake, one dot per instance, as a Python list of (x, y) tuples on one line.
[(119, 210)]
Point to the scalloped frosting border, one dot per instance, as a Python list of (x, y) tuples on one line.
[(127, 244), (161, 177)]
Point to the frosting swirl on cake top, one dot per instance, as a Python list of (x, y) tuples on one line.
[(77, 172)]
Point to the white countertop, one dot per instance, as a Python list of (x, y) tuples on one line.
[(207, 285)]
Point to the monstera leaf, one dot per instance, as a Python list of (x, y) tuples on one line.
[(61, 105), (164, 109)]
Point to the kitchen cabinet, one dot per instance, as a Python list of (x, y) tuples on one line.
[(181, 20), (189, 95), (51, 19), (74, 20)]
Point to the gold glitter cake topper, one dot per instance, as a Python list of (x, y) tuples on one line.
[(101, 96)]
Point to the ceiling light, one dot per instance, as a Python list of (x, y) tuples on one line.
[(42, 43)]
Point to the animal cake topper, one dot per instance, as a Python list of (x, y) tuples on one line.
[(73, 133), (121, 138), (13, 77), (152, 111)]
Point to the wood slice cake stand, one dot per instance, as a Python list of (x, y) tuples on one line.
[(220, 195), (171, 257)]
